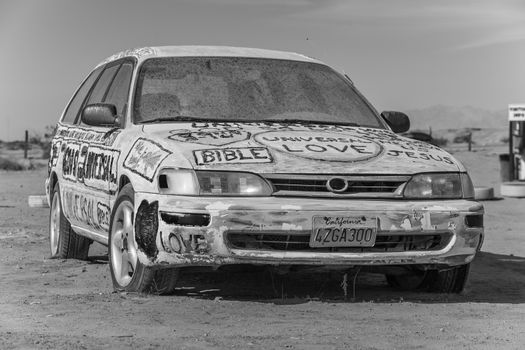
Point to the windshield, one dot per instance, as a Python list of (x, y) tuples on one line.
[(247, 90)]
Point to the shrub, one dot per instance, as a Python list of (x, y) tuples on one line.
[(440, 141), (46, 141), (8, 164), (463, 138), (16, 145), (46, 150)]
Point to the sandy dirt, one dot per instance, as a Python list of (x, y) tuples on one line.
[(69, 304)]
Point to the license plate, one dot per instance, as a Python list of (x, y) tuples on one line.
[(343, 231)]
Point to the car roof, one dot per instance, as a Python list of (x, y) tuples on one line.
[(206, 51)]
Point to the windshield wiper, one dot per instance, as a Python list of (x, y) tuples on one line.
[(302, 121), (176, 118), (186, 118)]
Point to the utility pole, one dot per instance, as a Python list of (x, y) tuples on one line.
[(26, 144)]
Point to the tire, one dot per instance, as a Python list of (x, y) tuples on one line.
[(64, 243), (127, 272), (452, 280), (449, 281)]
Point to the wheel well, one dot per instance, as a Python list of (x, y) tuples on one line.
[(124, 180)]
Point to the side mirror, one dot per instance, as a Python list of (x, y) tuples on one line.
[(398, 122), (99, 114)]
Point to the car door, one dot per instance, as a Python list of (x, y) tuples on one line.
[(94, 154)]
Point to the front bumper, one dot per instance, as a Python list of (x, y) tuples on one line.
[(193, 231)]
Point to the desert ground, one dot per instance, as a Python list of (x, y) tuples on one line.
[(69, 304)]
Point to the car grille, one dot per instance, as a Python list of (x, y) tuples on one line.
[(357, 186), (299, 241)]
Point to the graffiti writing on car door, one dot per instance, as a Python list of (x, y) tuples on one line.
[(94, 166), (86, 209)]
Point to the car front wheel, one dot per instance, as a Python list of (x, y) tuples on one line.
[(452, 280), (127, 272)]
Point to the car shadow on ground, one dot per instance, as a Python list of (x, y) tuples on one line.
[(493, 279)]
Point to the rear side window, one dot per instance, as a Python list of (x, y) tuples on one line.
[(119, 89), (98, 93), (73, 108)]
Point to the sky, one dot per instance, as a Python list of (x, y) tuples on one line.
[(401, 54)]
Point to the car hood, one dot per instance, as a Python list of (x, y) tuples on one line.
[(299, 148)]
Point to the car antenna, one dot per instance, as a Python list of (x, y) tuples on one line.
[(350, 80)]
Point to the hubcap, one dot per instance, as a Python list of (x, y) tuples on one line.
[(54, 225), (123, 248)]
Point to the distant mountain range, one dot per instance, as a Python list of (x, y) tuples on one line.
[(446, 117)]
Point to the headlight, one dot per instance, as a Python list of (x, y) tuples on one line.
[(212, 183), (439, 186), (178, 181)]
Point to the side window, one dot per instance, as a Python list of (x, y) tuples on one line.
[(74, 106), (98, 93), (119, 89)]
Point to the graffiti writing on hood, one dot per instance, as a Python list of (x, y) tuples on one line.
[(401, 147), (94, 166), (216, 136), (145, 158), (232, 155), (321, 145), (351, 145), (335, 143), (225, 133), (269, 126), (425, 156)]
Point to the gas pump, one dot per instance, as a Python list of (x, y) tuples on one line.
[(517, 142)]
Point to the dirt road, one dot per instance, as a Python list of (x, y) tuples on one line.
[(59, 304)]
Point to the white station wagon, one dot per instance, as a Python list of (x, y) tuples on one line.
[(209, 156)]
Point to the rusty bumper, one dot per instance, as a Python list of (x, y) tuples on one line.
[(196, 231)]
